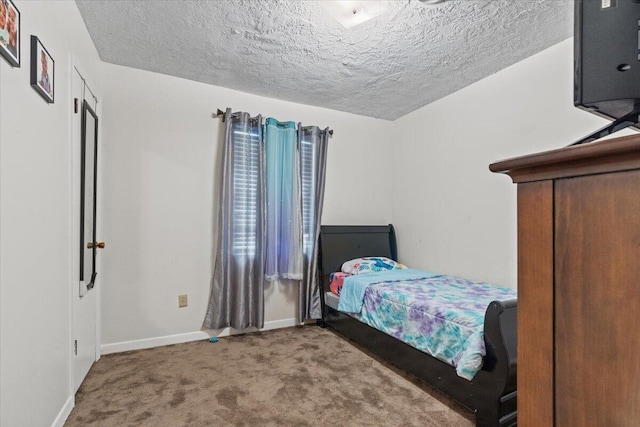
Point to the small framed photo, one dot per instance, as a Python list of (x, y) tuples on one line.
[(42, 70), (10, 32)]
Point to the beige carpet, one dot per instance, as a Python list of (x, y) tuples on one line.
[(301, 376)]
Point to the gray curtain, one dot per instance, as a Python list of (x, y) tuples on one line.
[(237, 291), (313, 144)]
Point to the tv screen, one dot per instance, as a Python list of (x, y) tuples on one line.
[(607, 57)]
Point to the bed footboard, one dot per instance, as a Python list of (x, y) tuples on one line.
[(497, 404)]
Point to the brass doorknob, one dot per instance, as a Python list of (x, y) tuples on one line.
[(99, 245)]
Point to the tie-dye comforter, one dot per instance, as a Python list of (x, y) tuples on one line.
[(440, 315)]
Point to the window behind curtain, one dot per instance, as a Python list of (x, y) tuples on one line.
[(307, 164), (246, 155), (245, 176)]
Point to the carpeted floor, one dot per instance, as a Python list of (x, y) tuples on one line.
[(300, 376)]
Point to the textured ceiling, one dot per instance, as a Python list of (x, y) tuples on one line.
[(295, 51)]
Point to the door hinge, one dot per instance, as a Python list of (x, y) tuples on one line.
[(75, 347), (75, 105)]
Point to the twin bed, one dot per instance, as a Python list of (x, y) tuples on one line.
[(456, 335)]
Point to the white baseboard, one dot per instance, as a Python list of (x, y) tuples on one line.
[(189, 336), (64, 412)]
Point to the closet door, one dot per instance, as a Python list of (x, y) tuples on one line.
[(85, 283), (597, 300)]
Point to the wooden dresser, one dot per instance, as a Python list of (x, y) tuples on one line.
[(578, 284)]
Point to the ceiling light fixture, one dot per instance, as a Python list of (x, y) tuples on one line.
[(351, 13), (431, 1)]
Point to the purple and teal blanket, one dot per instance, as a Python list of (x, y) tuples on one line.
[(438, 314)]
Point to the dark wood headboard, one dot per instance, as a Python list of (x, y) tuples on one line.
[(340, 243)]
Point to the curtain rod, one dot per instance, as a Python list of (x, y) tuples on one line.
[(221, 113)]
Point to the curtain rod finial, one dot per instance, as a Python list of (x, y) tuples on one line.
[(218, 114)]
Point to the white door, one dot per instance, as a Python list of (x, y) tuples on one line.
[(85, 244)]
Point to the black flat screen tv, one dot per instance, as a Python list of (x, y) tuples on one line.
[(607, 62)]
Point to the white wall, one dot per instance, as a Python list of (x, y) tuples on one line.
[(35, 306), (454, 216), (160, 165)]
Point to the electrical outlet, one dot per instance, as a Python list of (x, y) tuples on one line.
[(182, 300)]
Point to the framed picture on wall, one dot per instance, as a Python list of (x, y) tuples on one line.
[(10, 32), (42, 70)]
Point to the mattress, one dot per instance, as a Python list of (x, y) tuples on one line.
[(331, 300)]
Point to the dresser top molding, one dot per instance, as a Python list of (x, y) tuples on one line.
[(604, 156)]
